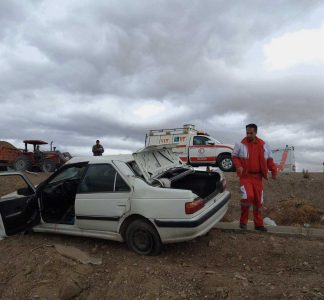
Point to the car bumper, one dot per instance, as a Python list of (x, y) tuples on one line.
[(175, 230)]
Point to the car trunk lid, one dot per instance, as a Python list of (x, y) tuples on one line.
[(153, 161)]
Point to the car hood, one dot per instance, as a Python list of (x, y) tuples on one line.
[(156, 160), (229, 146)]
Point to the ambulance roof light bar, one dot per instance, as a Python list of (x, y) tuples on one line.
[(189, 126), (186, 129)]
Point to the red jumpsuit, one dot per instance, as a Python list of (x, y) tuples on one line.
[(255, 159)]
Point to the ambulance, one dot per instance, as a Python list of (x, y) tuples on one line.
[(194, 147), (284, 159)]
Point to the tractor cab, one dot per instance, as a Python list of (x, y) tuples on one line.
[(35, 143)]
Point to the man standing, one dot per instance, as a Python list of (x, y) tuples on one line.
[(38, 153), (97, 149), (252, 159)]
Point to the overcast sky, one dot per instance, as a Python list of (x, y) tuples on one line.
[(75, 71)]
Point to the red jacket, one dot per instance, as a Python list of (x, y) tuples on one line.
[(240, 157)]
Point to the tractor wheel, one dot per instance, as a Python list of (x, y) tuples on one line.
[(48, 165), (22, 163)]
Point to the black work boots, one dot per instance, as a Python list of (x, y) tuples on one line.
[(243, 226), (258, 228), (261, 228)]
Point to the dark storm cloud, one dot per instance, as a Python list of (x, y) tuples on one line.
[(11, 13), (151, 49), (72, 70)]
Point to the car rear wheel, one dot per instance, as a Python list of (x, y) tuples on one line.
[(143, 238), (225, 163)]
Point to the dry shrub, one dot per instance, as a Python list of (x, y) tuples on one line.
[(297, 211), (306, 174)]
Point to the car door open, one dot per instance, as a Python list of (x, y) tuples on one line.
[(19, 209)]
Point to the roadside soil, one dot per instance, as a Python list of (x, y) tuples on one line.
[(221, 265), (291, 199)]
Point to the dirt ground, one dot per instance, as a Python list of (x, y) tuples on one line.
[(222, 265), (289, 200)]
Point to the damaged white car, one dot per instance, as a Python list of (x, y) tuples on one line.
[(146, 199)]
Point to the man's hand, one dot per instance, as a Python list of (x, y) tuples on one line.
[(240, 171)]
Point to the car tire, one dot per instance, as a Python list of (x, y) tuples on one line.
[(142, 238), (225, 163), (48, 165), (22, 163)]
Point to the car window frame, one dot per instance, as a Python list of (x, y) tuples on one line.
[(65, 179), (115, 179), (202, 137), (61, 169)]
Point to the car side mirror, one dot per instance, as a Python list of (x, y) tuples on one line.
[(210, 143), (25, 191)]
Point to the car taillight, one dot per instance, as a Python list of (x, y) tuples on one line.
[(192, 207)]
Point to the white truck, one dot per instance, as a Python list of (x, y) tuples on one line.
[(195, 148), (285, 159)]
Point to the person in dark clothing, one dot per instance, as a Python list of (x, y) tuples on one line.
[(97, 149), (38, 154)]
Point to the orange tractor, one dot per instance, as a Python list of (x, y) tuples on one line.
[(25, 160)]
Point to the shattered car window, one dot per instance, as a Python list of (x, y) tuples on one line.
[(73, 172), (133, 165), (11, 184)]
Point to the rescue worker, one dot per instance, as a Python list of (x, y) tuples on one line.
[(97, 149), (252, 159)]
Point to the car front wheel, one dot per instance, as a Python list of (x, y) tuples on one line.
[(143, 238), (225, 163)]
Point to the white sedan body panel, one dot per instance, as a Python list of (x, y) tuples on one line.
[(101, 211), (75, 230), (2, 229), (169, 206), (154, 202), (195, 227)]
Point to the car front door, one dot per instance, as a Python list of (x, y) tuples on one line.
[(202, 151), (102, 198), (18, 209), (57, 194)]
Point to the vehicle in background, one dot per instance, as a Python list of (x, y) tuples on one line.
[(195, 148), (146, 199), (26, 160), (285, 159)]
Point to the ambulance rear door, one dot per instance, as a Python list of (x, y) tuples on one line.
[(284, 159), (182, 146)]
